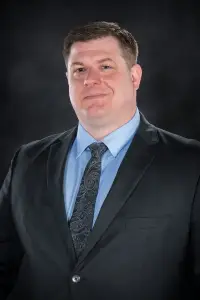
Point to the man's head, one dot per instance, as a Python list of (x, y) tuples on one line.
[(103, 74)]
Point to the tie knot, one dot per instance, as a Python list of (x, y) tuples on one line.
[(98, 149)]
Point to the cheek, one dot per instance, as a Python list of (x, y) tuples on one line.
[(74, 91), (113, 83), (123, 92), (123, 86), (126, 85), (119, 81)]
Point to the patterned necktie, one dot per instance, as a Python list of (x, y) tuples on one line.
[(82, 217)]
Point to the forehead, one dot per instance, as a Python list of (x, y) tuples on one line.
[(107, 46)]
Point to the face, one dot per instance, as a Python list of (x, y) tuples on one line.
[(102, 88)]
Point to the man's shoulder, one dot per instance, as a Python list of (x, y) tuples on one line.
[(168, 139), (178, 144), (37, 146), (174, 139)]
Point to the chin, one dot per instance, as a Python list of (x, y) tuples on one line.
[(95, 114)]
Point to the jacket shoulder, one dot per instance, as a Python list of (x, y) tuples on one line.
[(179, 146), (36, 147), (174, 140)]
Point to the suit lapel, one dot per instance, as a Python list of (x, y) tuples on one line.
[(55, 173), (134, 165)]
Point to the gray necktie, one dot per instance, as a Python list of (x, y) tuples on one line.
[(82, 217)]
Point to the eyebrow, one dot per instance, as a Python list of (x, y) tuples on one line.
[(99, 61)]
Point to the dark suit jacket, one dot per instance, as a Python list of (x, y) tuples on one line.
[(145, 244)]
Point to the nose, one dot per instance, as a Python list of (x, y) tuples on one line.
[(93, 78)]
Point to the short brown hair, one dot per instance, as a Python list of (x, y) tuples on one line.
[(100, 29)]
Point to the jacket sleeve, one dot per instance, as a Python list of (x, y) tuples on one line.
[(194, 248), (11, 250)]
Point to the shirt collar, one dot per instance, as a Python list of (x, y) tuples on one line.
[(115, 141)]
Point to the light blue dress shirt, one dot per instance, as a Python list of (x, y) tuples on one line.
[(117, 142)]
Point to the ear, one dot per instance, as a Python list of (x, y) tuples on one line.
[(136, 75), (66, 75)]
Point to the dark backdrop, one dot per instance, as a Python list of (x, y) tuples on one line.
[(34, 91)]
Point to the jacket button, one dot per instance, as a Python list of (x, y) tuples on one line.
[(76, 278)]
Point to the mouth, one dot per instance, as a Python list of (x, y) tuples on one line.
[(95, 96)]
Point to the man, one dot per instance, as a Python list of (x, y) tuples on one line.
[(111, 208)]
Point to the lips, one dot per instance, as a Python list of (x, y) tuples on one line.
[(94, 96)]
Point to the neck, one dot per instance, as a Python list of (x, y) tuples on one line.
[(99, 131)]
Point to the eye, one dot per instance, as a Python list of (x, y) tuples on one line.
[(105, 67), (79, 70)]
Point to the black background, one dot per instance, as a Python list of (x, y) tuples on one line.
[(34, 90)]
